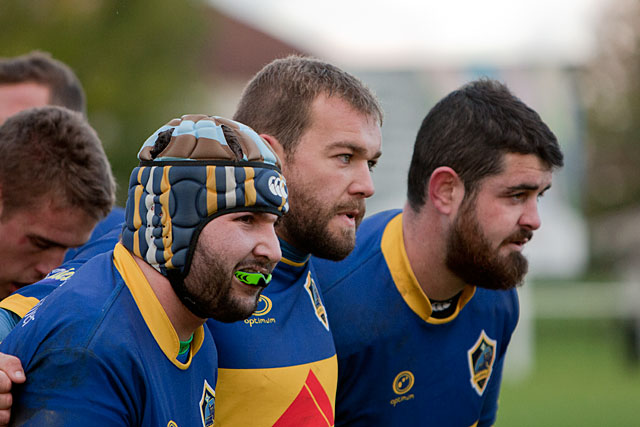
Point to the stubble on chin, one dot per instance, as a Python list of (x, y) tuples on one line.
[(235, 310), (309, 228)]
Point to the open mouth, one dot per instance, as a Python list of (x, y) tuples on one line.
[(518, 243), (351, 216), (519, 239)]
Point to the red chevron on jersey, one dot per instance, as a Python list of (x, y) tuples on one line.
[(312, 407)]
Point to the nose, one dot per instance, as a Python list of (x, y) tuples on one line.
[(268, 245), (51, 259), (362, 184), (530, 218)]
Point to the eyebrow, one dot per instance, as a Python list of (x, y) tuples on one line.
[(355, 148), (527, 187), (46, 242)]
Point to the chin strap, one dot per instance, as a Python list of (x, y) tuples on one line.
[(177, 282), (255, 279)]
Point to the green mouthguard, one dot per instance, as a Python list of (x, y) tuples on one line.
[(254, 279)]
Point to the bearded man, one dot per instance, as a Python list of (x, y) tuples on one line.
[(122, 341), (423, 309)]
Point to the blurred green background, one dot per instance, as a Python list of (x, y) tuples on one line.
[(585, 375), (138, 62)]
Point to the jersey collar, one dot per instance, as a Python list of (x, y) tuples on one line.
[(394, 252), (152, 311)]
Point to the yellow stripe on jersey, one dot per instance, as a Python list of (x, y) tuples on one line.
[(293, 263), (152, 311), (394, 252), (19, 304), (273, 392)]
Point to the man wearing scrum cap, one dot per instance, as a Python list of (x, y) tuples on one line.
[(122, 342)]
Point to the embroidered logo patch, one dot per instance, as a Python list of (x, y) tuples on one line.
[(207, 405), (402, 384), (481, 357), (258, 317), (264, 306), (321, 313), (61, 274)]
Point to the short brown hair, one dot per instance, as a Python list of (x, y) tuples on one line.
[(470, 130), (53, 152), (39, 67), (277, 101)]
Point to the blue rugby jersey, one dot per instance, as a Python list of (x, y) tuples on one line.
[(397, 365), (100, 350), (284, 351), (281, 361)]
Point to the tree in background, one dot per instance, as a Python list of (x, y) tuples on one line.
[(612, 92), (139, 62)]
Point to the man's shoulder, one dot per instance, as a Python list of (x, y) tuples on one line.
[(495, 304), (503, 299), (72, 311), (365, 257)]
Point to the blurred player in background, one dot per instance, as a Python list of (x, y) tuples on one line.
[(55, 184), (36, 80), (423, 309)]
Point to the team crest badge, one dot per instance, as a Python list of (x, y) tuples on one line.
[(481, 355), (207, 405), (312, 289)]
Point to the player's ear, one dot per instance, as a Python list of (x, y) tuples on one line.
[(446, 190), (275, 145)]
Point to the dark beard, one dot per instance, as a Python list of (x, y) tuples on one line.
[(208, 286), (306, 226), (471, 257)]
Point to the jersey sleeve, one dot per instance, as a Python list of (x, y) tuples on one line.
[(8, 321), (71, 387)]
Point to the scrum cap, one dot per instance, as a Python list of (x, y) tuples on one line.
[(209, 167)]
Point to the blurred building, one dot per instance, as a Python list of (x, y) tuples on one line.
[(235, 51)]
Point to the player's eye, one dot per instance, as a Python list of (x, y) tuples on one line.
[(345, 158), (248, 218), (39, 243)]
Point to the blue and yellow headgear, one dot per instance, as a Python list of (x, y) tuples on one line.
[(200, 174)]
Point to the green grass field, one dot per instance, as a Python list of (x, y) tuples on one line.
[(582, 377)]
